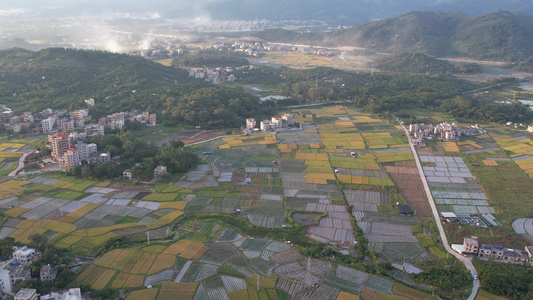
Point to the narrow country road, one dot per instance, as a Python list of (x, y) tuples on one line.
[(467, 261), (21, 164)]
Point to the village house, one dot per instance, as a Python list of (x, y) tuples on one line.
[(250, 123), (26, 294), (48, 273), (470, 245), (498, 253), (126, 173), (24, 255), (159, 171)]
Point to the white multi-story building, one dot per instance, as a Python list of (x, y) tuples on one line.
[(86, 150), (47, 125), (70, 158), (24, 255), (76, 137), (81, 114), (265, 125), (277, 122), (26, 294), (65, 124), (250, 123)]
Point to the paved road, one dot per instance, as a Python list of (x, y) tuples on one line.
[(21, 164), (467, 261)]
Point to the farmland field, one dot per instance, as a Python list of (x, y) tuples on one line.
[(207, 230)]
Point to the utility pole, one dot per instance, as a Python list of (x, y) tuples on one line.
[(148, 237)]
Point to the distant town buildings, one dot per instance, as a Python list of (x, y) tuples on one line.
[(94, 130), (215, 76), (443, 131), (276, 122)]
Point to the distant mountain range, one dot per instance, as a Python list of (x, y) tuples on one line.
[(500, 35), (347, 12), (354, 11)]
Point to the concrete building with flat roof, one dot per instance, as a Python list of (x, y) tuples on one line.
[(26, 294)]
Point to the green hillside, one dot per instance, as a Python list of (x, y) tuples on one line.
[(413, 63), (500, 35), (62, 78)]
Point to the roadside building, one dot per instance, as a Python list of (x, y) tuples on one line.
[(471, 245)]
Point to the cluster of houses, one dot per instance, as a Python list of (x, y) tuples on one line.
[(443, 131), (275, 123), (70, 150), (254, 48), (15, 269), (50, 121), (471, 246), (215, 76)]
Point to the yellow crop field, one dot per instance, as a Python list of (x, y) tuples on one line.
[(93, 276), (162, 262), (166, 219), (312, 156), (102, 230), (107, 259), (169, 290), (61, 184), (243, 140), (346, 296), (16, 211), (193, 250), (67, 241), (180, 205), (490, 162), (11, 184), (148, 294), (102, 184), (11, 154), (178, 247), (134, 281), (4, 146), (96, 241), (119, 280), (85, 273), (104, 279), (79, 213), (394, 156)]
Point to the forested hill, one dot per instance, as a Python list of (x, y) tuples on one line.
[(63, 78), (500, 35)]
